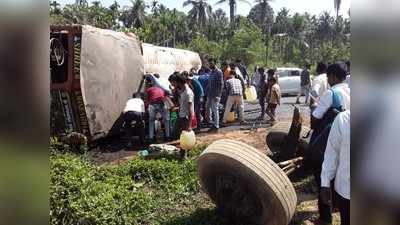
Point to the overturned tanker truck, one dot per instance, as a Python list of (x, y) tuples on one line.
[(95, 71)]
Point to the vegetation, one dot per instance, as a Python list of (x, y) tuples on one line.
[(153, 192), (136, 192), (262, 38)]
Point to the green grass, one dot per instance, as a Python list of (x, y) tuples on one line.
[(151, 192), (140, 191)]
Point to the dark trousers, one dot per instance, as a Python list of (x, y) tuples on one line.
[(138, 129), (182, 123), (325, 211), (203, 110), (198, 104), (261, 101), (344, 209)]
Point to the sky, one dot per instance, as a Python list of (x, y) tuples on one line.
[(314, 7)]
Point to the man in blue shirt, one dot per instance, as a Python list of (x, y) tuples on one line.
[(198, 94), (203, 77), (214, 92)]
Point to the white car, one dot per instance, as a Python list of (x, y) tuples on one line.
[(289, 80)]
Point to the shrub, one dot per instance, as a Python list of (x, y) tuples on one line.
[(136, 192)]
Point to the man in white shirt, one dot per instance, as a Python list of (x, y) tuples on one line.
[(336, 166), (336, 74), (134, 111), (320, 83)]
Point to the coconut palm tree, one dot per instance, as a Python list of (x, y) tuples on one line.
[(134, 16), (337, 4), (55, 7), (81, 2), (262, 14), (154, 7), (200, 12), (232, 7), (218, 25)]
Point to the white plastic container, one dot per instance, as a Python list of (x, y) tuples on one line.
[(187, 140)]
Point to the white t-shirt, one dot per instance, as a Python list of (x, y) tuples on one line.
[(337, 156), (135, 105), (186, 97), (320, 84), (325, 101)]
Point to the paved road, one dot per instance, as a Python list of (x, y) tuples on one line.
[(284, 112)]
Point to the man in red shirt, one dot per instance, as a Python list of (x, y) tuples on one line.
[(155, 101)]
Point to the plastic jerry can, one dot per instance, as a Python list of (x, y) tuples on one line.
[(187, 140), (251, 93), (231, 117)]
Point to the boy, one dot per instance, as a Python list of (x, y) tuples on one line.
[(186, 106), (274, 98)]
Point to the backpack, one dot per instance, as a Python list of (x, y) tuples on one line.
[(319, 138)]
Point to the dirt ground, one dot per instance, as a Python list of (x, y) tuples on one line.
[(255, 138), (307, 210)]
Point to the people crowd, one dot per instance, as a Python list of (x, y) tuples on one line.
[(199, 98)]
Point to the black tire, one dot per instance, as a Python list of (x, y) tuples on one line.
[(285, 127), (245, 184), (276, 138)]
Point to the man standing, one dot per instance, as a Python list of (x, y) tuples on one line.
[(203, 79), (134, 111), (305, 83), (198, 95), (336, 166), (226, 69), (186, 106), (243, 70), (214, 92), (155, 100), (335, 99), (235, 97), (262, 90), (256, 77), (320, 82)]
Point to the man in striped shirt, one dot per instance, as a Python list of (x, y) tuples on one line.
[(235, 96)]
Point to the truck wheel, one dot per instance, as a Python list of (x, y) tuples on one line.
[(284, 127), (245, 184), (277, 142), (274, 140)]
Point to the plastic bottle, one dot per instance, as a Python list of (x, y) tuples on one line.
[(187, 140)]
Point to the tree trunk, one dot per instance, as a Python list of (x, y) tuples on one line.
[(232, 12)]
